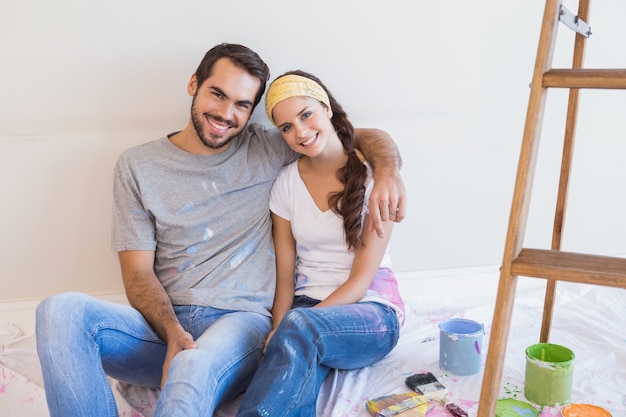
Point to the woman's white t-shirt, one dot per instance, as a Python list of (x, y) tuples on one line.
[(323, 260)]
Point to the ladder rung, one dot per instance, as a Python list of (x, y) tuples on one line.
[(570, 266), (585, 78)]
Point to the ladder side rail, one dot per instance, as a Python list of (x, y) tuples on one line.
[(566, 168), (519, 213)]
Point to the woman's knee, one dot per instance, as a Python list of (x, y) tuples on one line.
[(299, 324), (295, 319)]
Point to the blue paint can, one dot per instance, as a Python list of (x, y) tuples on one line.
[(460, 346)]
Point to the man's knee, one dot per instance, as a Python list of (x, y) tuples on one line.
[(56, 312), (55, 306)]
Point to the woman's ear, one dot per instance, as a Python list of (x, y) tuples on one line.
[(192, 87), (329, 112)]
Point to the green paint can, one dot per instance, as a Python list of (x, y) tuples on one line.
[(549, 372)]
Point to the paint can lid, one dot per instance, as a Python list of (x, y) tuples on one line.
[(549, 353), (510, 407), (584, 410)]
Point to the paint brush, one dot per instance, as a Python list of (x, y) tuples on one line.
[(409, 404), (428, 385)]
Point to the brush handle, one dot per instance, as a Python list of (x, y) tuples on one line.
[(455, 410), (452, 408)]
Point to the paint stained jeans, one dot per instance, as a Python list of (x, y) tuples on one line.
[(308, 343), (81, 340)]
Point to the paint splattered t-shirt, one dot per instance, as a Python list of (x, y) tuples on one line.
[(206, 217)]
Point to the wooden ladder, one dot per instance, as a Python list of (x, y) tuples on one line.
[(553, 264)]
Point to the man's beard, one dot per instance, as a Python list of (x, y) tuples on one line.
[(196, 119)]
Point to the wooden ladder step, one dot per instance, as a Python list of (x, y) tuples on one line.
[(585, 78), (570, 266)]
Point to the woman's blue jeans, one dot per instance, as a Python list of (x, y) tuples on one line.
[(81, 340), (308, 343)]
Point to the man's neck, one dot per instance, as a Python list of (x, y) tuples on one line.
[(188, 141)]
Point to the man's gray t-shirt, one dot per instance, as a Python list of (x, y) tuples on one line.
[(206, 217)]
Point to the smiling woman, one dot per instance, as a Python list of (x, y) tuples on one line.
[(345, 310)]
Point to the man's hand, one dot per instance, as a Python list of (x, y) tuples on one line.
[(182, 342), (387, 200)]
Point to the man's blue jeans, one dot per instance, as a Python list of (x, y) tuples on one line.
[(81, 340), (304, 348)]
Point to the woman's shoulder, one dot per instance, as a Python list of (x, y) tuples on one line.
[(288, 173)]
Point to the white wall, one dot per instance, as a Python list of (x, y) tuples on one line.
[(81, 81)]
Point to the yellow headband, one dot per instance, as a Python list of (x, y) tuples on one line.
[(291, 86)]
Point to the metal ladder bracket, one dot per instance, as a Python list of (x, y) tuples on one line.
[(573, 22)]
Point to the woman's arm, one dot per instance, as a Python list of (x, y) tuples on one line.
[(285, 248), (366, 262), (388, 198)]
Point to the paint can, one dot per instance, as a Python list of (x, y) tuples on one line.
[(460, 346), (549, 373)]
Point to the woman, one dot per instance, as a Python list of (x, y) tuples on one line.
[(345, 310)]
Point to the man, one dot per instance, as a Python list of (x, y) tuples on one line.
[(192, 228)]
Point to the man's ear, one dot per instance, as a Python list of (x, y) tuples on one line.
[(192, 87)]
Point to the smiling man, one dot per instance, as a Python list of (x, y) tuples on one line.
[(192, 229)]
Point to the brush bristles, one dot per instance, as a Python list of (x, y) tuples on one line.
[(380, 403), (417, 381), (407, 404)]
